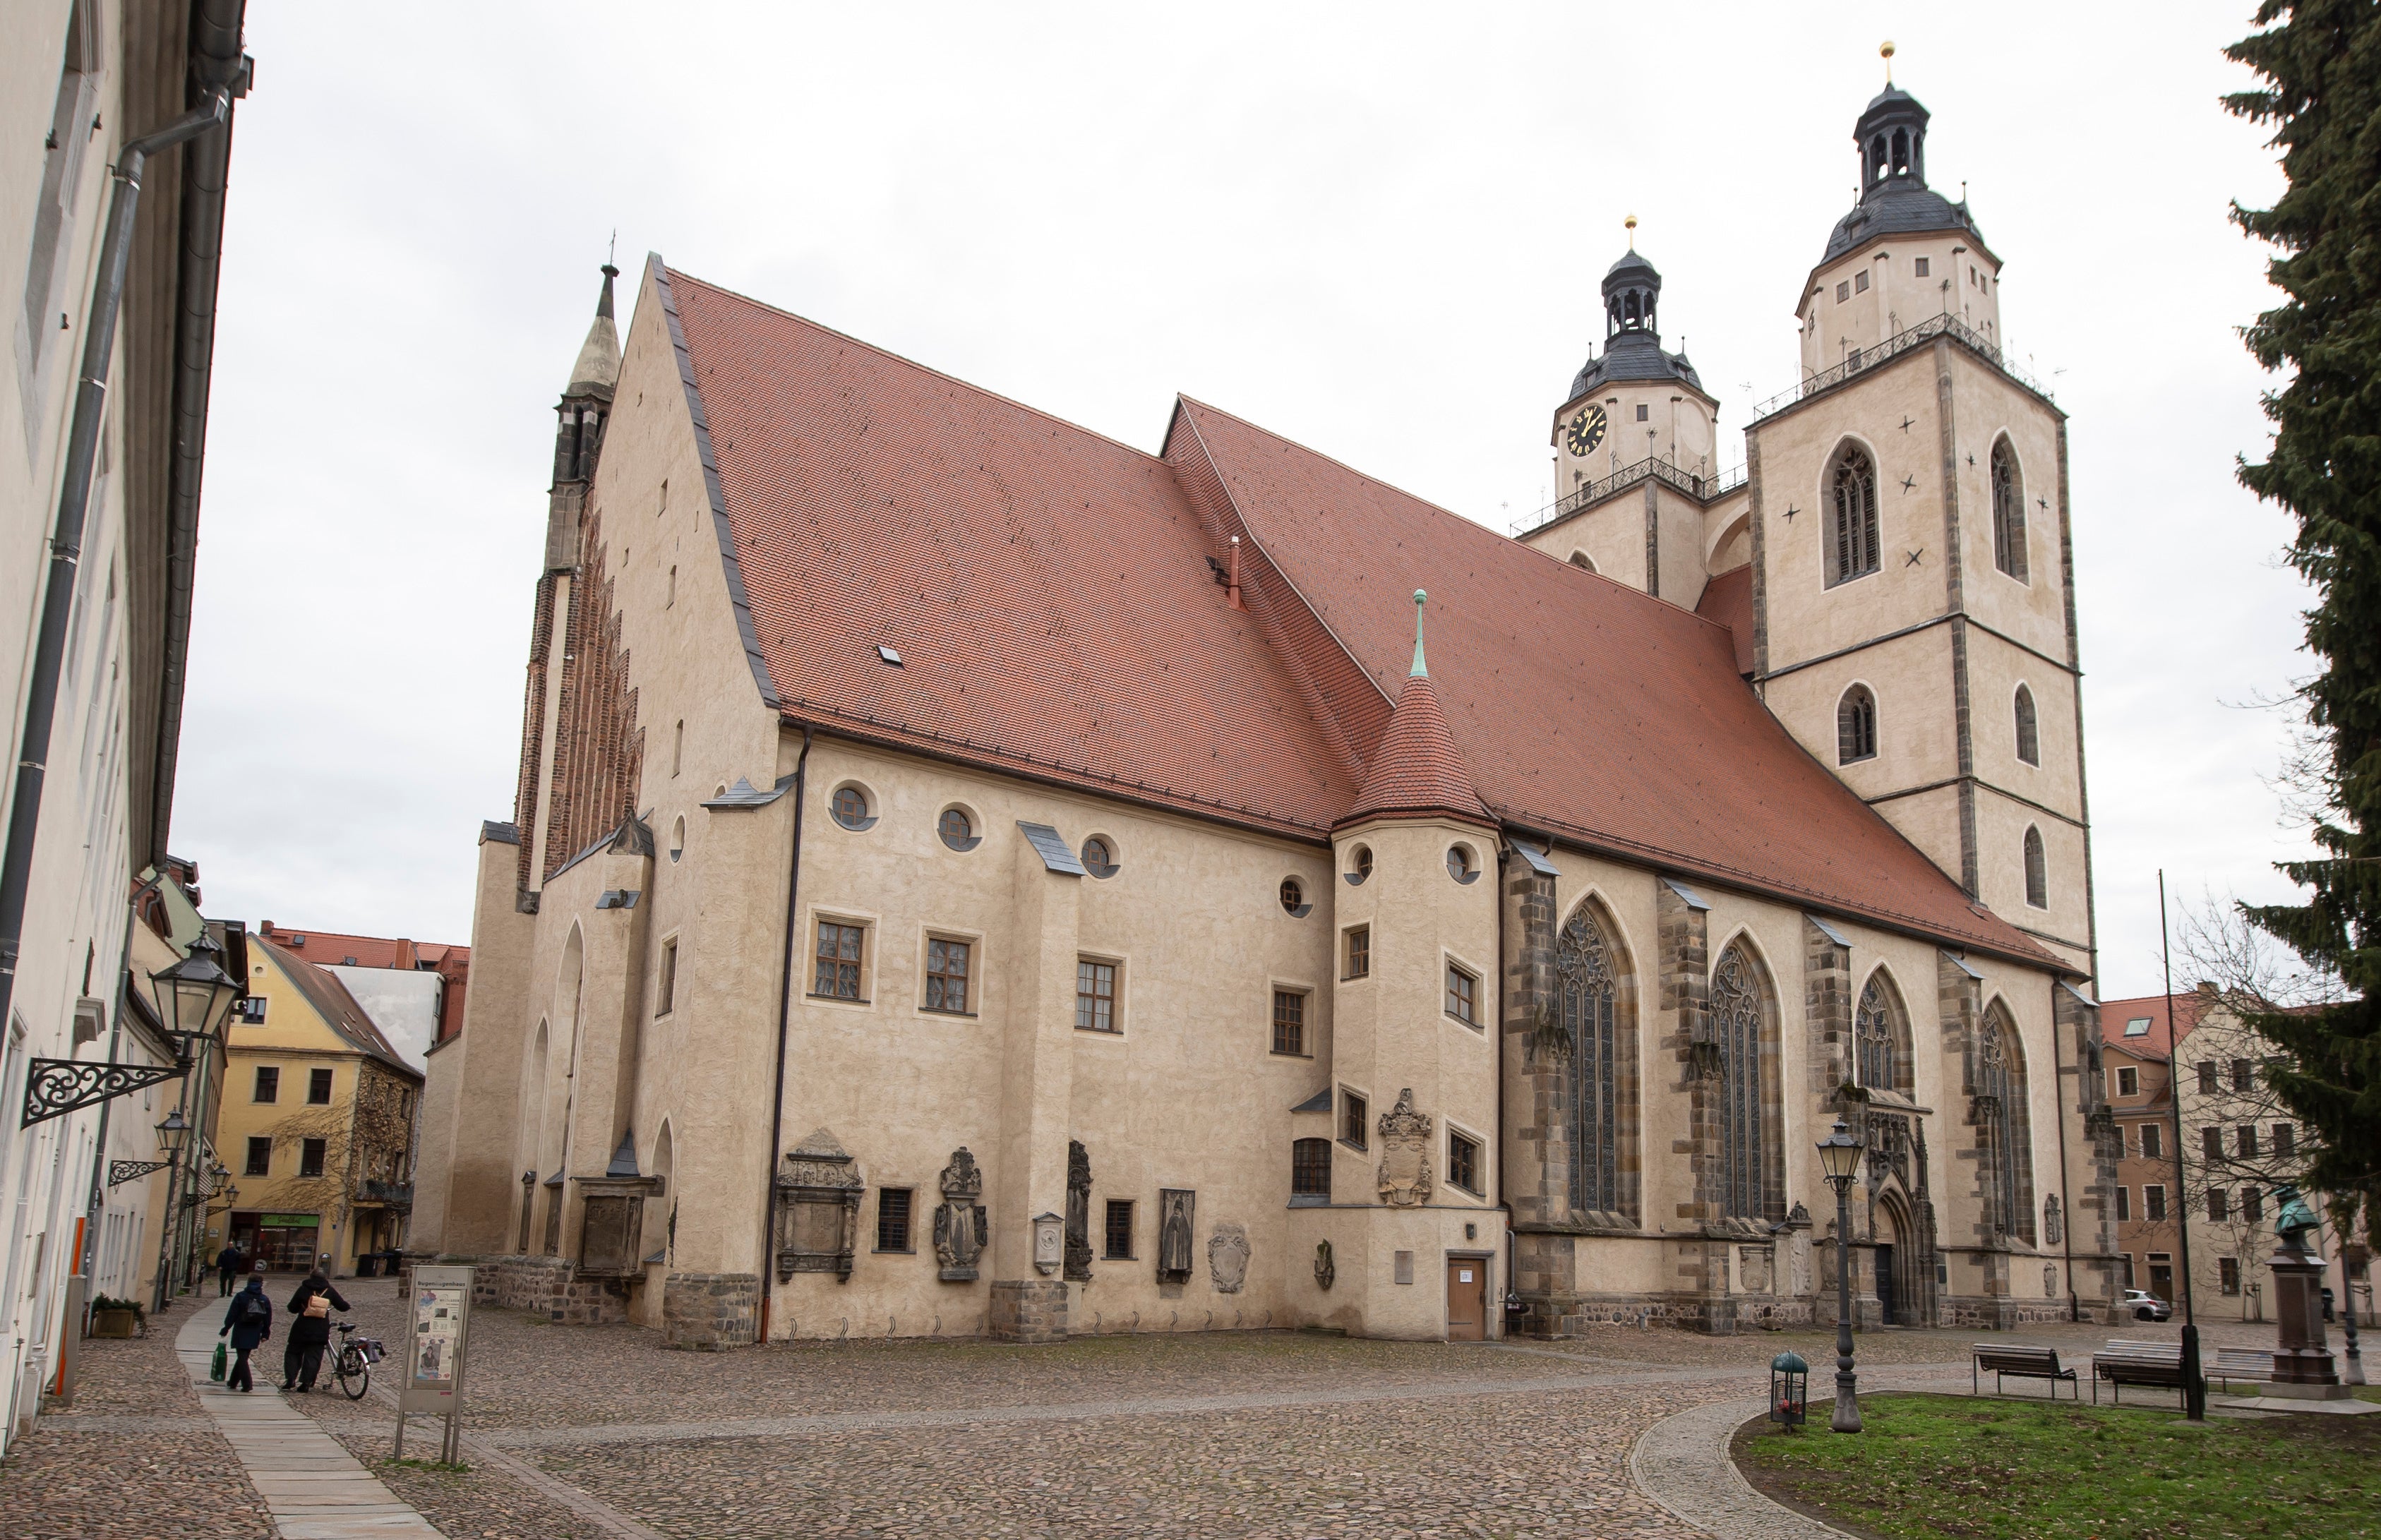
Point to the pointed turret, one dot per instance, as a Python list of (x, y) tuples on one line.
[(1416, 770), (598, 369)]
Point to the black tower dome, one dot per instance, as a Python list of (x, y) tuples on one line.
[(1894, 197), (1632, 345)]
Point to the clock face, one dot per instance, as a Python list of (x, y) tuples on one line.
[(1586, 432)]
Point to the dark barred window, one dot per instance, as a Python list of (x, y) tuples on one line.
[(893, 1218), (1119, 1229), (1309, 1167)]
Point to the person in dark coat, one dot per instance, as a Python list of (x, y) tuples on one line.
[(226, 1264), (249, 1324), (309, 1331)]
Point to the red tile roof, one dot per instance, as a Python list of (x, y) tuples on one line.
[(1416, 770), (334, 948), (2157, 1043), (1049, 595), (1728, 601), (1047, 589)]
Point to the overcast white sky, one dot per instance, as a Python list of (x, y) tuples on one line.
[(1377, 229)]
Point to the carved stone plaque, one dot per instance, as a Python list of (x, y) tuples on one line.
[(817, 1208), (2050, 1280), (959, 1223), (1227, 1258), (1405, 1153), (2054, 1224)]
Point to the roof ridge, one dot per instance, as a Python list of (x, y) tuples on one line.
[(909, 362)]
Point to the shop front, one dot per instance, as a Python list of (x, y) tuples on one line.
[(284, 1242)]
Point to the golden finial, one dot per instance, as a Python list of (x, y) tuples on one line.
[(1885, 52), (1630, 224)]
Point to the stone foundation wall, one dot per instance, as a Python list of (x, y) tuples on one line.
[(710, 1311), (1556, 1318), (547, 1285), (1029, 1310), (2000, 1313)]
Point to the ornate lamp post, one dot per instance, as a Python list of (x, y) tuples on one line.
[(193, 996), (1839, 1158)]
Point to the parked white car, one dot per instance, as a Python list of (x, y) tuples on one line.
[(2145, 1306)]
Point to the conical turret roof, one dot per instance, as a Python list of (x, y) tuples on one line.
[(1416, 770), (598, 369)]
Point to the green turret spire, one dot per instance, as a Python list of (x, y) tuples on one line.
[(1419, 671)]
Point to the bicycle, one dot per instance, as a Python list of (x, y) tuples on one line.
[(351, 1363)]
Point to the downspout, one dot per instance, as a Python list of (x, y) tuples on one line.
[(2066, 1207), (784, 1028), (66, 534), (1504, 1195)]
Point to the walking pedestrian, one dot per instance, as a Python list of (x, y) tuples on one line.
[(309, 1331), (249, 1324), (226, 1266)]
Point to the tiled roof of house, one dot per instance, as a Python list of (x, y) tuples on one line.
[(337, 949), (1728, 601), (330, 998), (2157, 1042), (1050, 597)]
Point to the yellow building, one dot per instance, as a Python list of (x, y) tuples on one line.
[(316, 1121)]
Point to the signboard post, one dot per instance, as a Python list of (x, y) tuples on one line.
[(434, 1348)]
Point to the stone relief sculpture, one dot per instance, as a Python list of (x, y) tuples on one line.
[(1078, 1212), (818, 1208), (1227, 1258), (2050, 1280), (2054, 1224), (1405, 1153), (1327, 1272), (959, 1223), (1175, 1206)]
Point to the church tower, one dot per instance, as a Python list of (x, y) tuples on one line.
[(580, 418), (1913, 621), (1641, 497)]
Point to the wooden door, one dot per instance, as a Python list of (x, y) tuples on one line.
[(1467, 1299)]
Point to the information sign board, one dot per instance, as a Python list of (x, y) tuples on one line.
[(437, 1342)]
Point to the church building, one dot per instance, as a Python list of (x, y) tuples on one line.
[(969, 876)]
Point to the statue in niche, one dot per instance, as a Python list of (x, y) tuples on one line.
[(1405, 1153), (960, 1224), (1078, 1212), (1175, 1208), (1227, 1258), (2054, 1224), (1327, 1272)]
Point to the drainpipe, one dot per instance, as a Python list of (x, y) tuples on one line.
[(66, 534), (784, 1027), (2066, 1208)]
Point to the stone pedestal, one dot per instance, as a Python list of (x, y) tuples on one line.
[(1029, 1310), (2302, 1365)]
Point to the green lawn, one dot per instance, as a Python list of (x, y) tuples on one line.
[(1952, 1468)]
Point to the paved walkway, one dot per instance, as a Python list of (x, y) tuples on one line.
[(314, 1489)]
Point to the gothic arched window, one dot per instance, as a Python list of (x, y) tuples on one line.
[(2037, 871), (1736, 1015), (1880, 1060), (1856, 726), (2029, 730), (1853, 487), (2009, 512), (2003, 1126), (1585, 1001)]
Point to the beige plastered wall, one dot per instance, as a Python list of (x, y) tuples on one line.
[(1897, 297)]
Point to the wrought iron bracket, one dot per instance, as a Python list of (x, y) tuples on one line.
[(54, 1087), (121, 1171)]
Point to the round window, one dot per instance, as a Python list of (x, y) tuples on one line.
[(1360, 864), (849, 806), (1458, 862), (1292, 895), (1099, 857), (956, 828)]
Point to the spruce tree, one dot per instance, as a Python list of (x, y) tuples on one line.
[(2322, 98)]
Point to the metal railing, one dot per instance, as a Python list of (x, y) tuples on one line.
[(1702, 487), (1894, 346), (396, 1194)]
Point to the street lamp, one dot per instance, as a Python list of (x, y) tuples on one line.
[(170, 1134), (1839, 1158), (195, 993)]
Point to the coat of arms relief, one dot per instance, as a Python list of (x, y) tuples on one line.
[(1405, 1153)]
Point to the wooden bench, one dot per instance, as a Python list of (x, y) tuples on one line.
[(2125, 1361), (2006, 1359), (2252, 1364)]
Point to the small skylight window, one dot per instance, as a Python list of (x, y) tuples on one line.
[(889, 655), (2138, 1027)]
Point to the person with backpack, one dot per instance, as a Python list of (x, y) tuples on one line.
[(226, 1266), (249, 1324), (309, 1331)]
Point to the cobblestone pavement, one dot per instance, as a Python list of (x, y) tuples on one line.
[(133, 1459), (600, 1434)]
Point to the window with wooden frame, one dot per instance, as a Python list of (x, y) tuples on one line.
[(1310, 1168), (1289, 1022), (2152, 1142), (1462, 994), (1095, 995), (268, 1083), (259, 1155), (1856, 726), (2228, 1274), (893, 1220), (2153, 1202), (948, 965), (1119, 1230), (310, 1156), (318, 1088), (2211, 1145), (1358, 964), (2244, 1140), (1464, 1162), (2124, 1202), (841, 956), (2219, 1205), (2286, 1139), (2253, 1205), (1355, 1120), (2244, 1075), (665, 983), (2206, 1077), (2129, 1081)]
